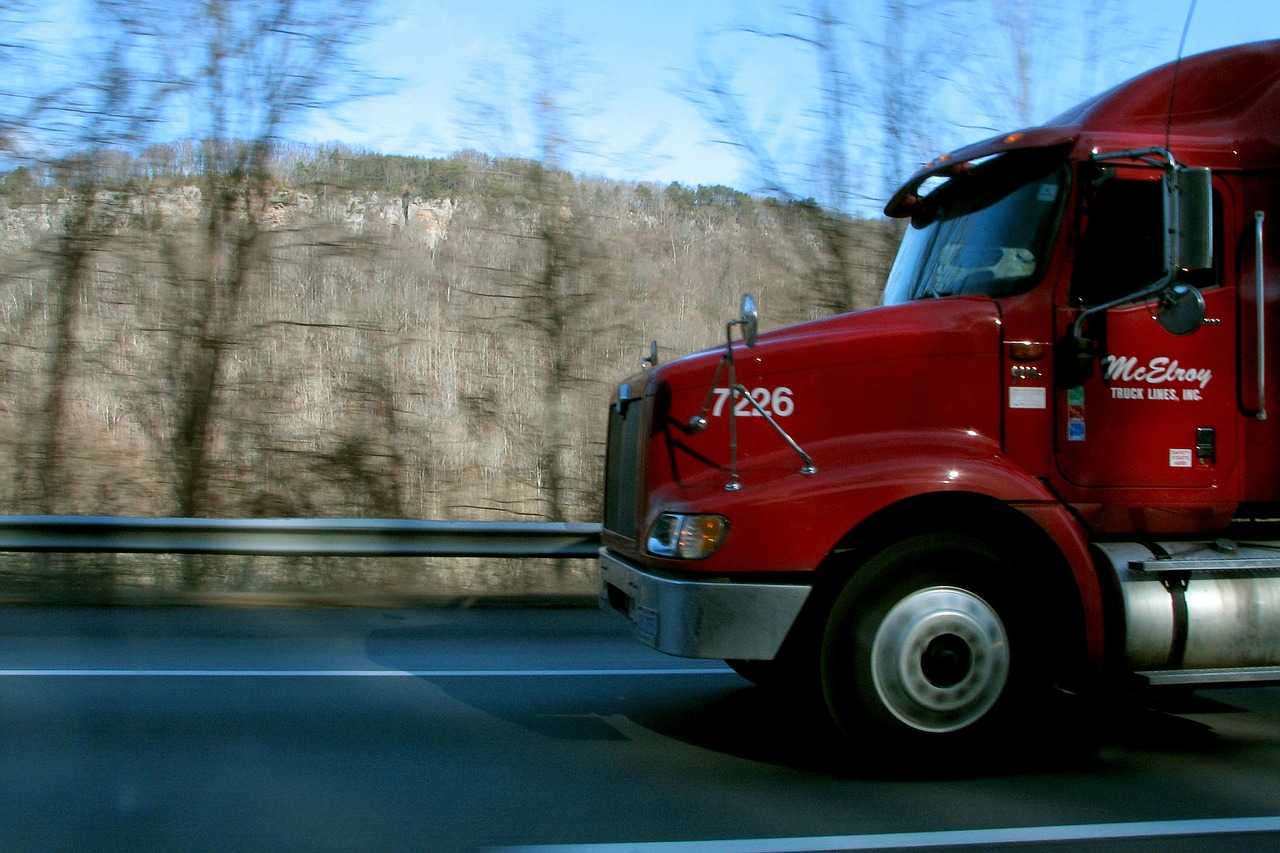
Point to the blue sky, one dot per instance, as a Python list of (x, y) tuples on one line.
[(638, 56), (627, 70), (629, 117)]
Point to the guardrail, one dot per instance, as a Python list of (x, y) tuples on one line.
[(298, 536)]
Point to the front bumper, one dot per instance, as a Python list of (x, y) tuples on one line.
[(701, 619)]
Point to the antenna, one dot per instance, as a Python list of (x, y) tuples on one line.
[(1177, 66)]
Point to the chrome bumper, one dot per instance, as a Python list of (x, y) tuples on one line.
[(701, 619)]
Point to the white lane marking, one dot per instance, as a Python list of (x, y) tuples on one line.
[(346, 673), (945, 838)]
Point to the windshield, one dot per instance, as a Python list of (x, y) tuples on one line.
[(985, 232)]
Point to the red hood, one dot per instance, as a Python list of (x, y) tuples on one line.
[(881, 400), (926, 329)]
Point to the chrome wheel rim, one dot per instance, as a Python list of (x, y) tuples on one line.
[(940, 659)]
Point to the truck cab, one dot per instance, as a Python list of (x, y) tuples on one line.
[(1046, 459)]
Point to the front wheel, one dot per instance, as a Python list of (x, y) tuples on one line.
[(940, 659), (927, 646)]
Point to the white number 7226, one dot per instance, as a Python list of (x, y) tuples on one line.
[(776, 401)]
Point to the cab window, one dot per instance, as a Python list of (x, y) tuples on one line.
[(1121, 245), (984, 232)]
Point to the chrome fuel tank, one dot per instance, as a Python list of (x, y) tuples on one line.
[(1197, 606)]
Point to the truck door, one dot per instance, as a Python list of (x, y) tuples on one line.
[(1159, 410)]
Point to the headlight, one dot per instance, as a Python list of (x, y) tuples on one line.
[(687, 537)]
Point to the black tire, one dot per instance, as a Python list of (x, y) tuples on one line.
[(929, 647)]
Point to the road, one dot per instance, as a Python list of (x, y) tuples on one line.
[(220, 729)]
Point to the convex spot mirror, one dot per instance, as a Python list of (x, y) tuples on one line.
[(1181, 309)]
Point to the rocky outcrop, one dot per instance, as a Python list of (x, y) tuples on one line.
[(422, 219)]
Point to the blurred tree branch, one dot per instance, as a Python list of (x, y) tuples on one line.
[(232, 74), (558, 290)]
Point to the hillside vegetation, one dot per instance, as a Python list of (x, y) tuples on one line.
[(355, 335)]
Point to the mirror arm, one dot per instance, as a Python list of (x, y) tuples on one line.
[(748, 320), (806, 461), (1258, 217), (1138, 296), (1155, 156), (734, 483)]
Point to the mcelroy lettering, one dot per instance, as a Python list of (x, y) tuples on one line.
[(1157, 371)]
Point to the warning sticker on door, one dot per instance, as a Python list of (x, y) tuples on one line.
[(1027, 398), (1075, 414), (1179, 458)]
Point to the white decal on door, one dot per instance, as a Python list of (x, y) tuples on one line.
[(1158, 371), (1027, 398)]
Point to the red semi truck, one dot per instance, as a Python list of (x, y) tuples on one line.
[(1048, 460)]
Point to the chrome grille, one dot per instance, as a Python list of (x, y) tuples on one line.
[(624, 465)]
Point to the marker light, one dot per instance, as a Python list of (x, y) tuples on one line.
[(686, 537), (1026, 351)]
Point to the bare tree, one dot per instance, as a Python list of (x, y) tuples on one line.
[(555, 293), (1022, 25), (244, 71), (100, 102), (876, 99), (232, 75), (83, 231), (841, 97), (1050, 54)]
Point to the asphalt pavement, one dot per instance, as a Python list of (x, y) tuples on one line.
[(138, 729)]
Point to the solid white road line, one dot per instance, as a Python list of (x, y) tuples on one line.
[(348, 673), (946, 838)]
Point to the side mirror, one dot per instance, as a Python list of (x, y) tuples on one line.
[(650, 360), (1181, 309), (749, 321), (1189, 219)]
